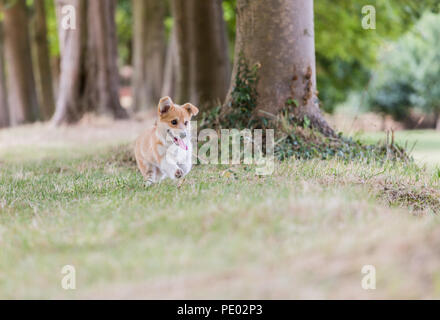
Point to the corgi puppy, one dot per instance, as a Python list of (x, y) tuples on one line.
[(165, 150)]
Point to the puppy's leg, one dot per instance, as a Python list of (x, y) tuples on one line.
[(147, 171), (150, 176), (171, 169), (159, 174), (186, 168), (186, 164)]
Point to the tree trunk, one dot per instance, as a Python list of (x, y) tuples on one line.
[(89, 79), (4, 111), (171, 67), (43, 76), (437, 120), (203, 52), (182, 18), (103, 47), (55, 66), (73, 45), (280, 37), (149, 52), (21, 85)]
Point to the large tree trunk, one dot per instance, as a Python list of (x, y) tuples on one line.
[(149, 52), (4, 111), (89, 79), (279, 35), (203, 52), (42, 68), (21, 85)]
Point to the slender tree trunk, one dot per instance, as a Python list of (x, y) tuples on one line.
[(149, 52), (203, 52), (73, 45), (279, 35), (171, 66), (21, 85), (42, 68), (89, 79), (182, 18), (55, 66), (437, 120), (104, 47), (4, 110), (210, 53)]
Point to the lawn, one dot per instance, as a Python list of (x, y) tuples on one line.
[(74, 197), (423, 144)]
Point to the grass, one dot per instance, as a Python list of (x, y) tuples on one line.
[(424, 143), (304, 232)]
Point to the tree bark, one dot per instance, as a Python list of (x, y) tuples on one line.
[(171, 67), (89, 79), (73, 46), (43, 76), (437, 120), (55, 66), (103, 52), (4, 109), (203, 52), (280, 37), (182, 18), (21, 85), (149, 52)]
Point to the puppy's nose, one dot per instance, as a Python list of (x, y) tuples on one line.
[(183, 135)]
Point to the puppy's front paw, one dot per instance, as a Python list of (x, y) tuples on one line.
[(178, 174)]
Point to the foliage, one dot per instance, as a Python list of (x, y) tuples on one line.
[(409, 71), (230, 19), (124, 25), (52, 28), (292, 139), (392, 97), (308, 143), (346, 52), (244, 98), (336, 78)]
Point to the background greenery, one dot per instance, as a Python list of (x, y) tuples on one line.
[(349, 58)]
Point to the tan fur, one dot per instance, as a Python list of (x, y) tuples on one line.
[(151, 146)]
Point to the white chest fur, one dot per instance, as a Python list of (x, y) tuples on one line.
[(175, 156)]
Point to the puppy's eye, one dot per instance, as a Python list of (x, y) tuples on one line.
[(174, 122), (186, 123)]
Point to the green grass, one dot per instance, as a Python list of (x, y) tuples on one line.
[(425, 144), (303, 232)]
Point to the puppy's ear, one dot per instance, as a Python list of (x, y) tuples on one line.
[(165, 105), (192, 110)]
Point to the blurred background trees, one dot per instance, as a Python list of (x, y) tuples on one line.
[(125, 54), (407, 77), (22, 97), (41, 58), (89, 73), (204, 66), (149, 47)]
